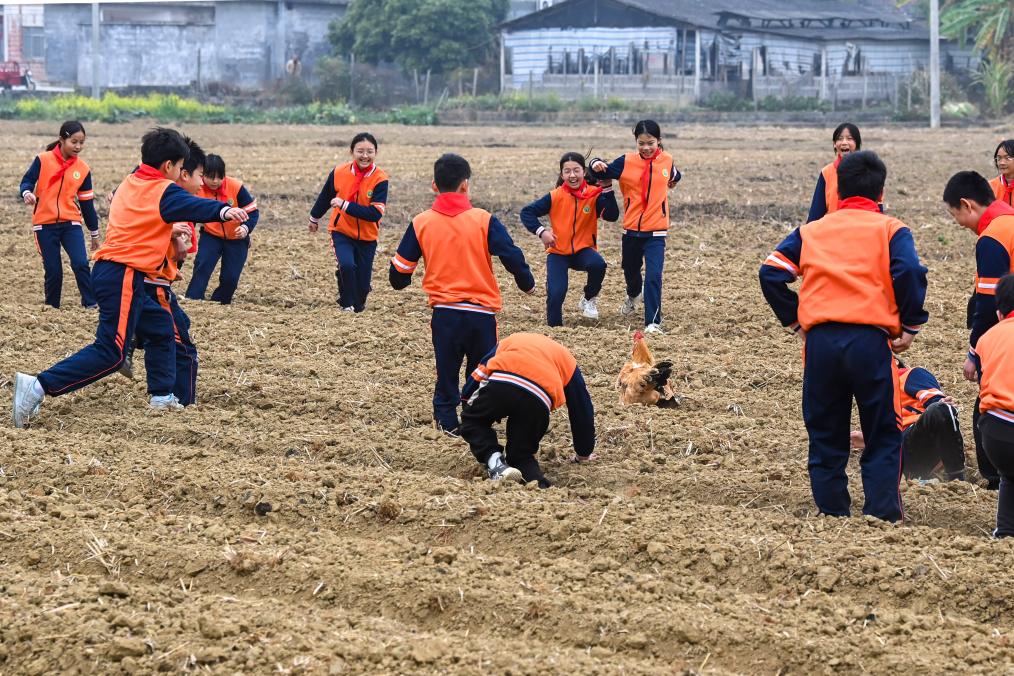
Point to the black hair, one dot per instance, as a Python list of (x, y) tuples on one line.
[(67, 129), (569, 157), (214, 166), (363, 136), (450, 171), (853, 131), (1005, 295), (861, 174), (196, 158), (968, 185), (649, 127), (1008, 147), (162, 145)]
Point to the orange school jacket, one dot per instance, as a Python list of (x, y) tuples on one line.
[(58, 203), (344, 182), (846, 269), (653, 215), (525, 359), (913, 406), (461, 269), (228, 192), (830, 174), (997, 224), (996, 356), (136, 235), (1004, 191), (574, 220)]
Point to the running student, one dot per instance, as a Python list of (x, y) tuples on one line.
[(645, 177), (845, 139), (972, 204), (58, 186), (861, 297), (141, 219), (457, 240), (163, 329), (571, 240), (931, 441), (1003, 160), (357, 191), (524, 378), (229, 242)]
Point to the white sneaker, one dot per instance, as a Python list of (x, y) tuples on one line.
[(631, 304), (167, 403), (653, 328), (348, 309), (589, 307), (27, 399)]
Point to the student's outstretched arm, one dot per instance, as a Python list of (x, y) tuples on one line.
[(909, 281), (323, 203), (613, 170), (501, 245), (405, 260), (30, 178), (582, 414), (922, 386), (606, 206), (477, 376), (179, 205), (779, 270), (531, 213), (991, 263), (246, 202), (86, 200), (372, 212), (818, 203)]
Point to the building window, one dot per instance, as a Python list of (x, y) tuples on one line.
[(34, 48)]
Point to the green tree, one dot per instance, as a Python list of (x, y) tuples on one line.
[(441, 35), (989, 22)]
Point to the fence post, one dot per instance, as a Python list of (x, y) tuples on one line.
[(530, 85), (864, 91), (426, 91), (895, 100), (95, 51), (352, 79), (697, 65), (475, 81), (823, 73), (596, 78)]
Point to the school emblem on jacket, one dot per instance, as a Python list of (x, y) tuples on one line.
[(665, 173), (232, 202), (587, 209), (369, 193), (77, 175)]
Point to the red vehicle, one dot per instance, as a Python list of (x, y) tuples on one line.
[(11, 76)]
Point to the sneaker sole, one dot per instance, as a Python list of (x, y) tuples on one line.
[(512, 474), (21, 382)]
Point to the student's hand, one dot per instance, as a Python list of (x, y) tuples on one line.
[(902, 342), (339, 203), (237, 214), (241, 232), (949, 400), (93, 243), (969, 370), (672, 184), (856, 440), (583, 459), (313, 225), (599, 166), (181, 230), (29, 197), (548, 238)]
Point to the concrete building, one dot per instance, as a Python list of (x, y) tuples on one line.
[(683, 50), (245, 44)]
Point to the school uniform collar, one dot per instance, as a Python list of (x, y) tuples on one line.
[(451, 203), (993, 211), (863, 203), (148, 173), (356, 171)]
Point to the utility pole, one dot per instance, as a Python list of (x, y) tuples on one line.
[(934, 64), (96, 93)]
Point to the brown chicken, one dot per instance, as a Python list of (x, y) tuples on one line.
[(643, 381)]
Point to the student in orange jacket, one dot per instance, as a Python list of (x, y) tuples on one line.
[(571, 239), (971, 203), (995, 360), (457, 242), (141, 219), (845, 139), (229, 242), (58, 186), (645, 177), (1003, 160), (357, 191), (861, 297), (524, 378)]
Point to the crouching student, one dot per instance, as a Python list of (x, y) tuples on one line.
[(523, 379), (457, 240), (571, 240), (995, 357), (931, 442), (229, 241), (861, 297)]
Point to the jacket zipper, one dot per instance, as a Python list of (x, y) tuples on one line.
[(574, 234), (647, 197), (59, 193)]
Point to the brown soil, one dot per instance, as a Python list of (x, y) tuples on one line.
[(131, 541)]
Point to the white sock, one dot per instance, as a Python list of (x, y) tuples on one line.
[(493, 459), (37, 389)]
